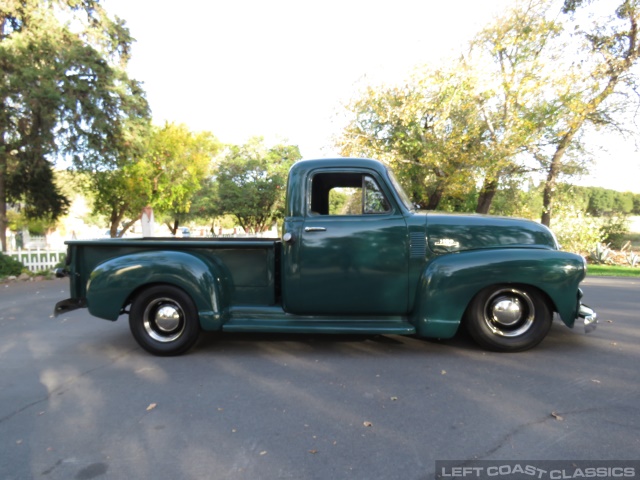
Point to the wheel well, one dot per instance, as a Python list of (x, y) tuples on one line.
[(127, 304), (543, 295)]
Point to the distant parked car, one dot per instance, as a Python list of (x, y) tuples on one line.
[(107, 233), (183, 232)]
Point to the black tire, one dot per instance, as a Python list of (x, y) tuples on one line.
[(164, 320), (508, 318)]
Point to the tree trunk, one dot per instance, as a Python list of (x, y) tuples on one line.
[(3, 175), (615, 68), (552, 176), (3, 200), (128, 225), (489, 189), (114, 222), (547, 197), (436, 196)]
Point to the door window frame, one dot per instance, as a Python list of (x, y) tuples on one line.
[(382, 186)]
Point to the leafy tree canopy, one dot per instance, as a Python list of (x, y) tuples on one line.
[(163, 167), (517, 102), (63, 93), (251, 181), (176, 165)]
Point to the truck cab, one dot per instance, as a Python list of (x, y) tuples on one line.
[(347, 244)]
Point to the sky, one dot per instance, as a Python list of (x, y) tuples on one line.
[(283, 69)]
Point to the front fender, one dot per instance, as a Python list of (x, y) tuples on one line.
[(449, 283), (113, 282)]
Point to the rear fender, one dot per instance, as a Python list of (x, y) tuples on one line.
[(449, 283), (113, 283)]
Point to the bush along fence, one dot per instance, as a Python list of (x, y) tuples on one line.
[(38, 260)]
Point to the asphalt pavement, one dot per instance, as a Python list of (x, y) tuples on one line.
[(80, 400)]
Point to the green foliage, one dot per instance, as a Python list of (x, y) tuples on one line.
[(175, 167), (251, 183), (64, 91), (460, 202), (600, 254), (614, 229), (119, 196), (17, 220), (630, 256), (602, 201), (428, 130), (163, 167), (203, 203), (593, 89), (576, 231), (9, 266), (516, 102), (455, 134), (337, 201), (515, 201)]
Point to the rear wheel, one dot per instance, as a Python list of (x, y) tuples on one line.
[(508, 318), (164, 320)]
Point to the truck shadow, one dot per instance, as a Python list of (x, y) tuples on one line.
[(559, 338)]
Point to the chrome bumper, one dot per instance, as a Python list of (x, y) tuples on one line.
[(589, 317)]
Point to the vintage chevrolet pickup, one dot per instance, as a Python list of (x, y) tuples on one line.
[(355, 257)]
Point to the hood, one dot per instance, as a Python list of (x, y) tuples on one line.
[(455, 233)]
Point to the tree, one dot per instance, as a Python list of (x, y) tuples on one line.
[(119, 191), (587, 97), (176, 165), (518, 65), (63, 93), (163, 167), (467, 123), (636, 204), (517, 102), (203, 205), (427, 130), (250, 183), (120, 196)]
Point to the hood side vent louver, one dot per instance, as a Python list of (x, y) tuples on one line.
[(418, 245)]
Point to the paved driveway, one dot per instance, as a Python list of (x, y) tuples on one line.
[(80, 400)]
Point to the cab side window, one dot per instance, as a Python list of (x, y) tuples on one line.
[(347, 194)]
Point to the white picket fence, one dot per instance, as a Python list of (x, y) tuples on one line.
[(38, 260)]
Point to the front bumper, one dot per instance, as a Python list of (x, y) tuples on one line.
[(589, 317)]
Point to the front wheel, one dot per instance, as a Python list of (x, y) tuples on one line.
[(508, 318), (164, 320)]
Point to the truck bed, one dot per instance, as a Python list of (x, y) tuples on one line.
[(252, 264)]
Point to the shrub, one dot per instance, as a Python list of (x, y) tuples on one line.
[(9, 266), (614, 229), (630, 256), (600, 254), (576, 231)]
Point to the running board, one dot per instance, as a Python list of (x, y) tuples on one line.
[(276, 321)]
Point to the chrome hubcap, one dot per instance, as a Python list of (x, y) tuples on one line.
[(167, 318), (164, 320), (509, 312)]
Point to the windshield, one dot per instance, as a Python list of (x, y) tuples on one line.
[(401, 193)]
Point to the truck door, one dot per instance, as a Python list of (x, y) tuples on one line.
[(350, 254)]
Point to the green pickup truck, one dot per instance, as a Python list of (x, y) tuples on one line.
[(355, 257)]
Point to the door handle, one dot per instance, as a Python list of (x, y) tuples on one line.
[(315, 229)]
